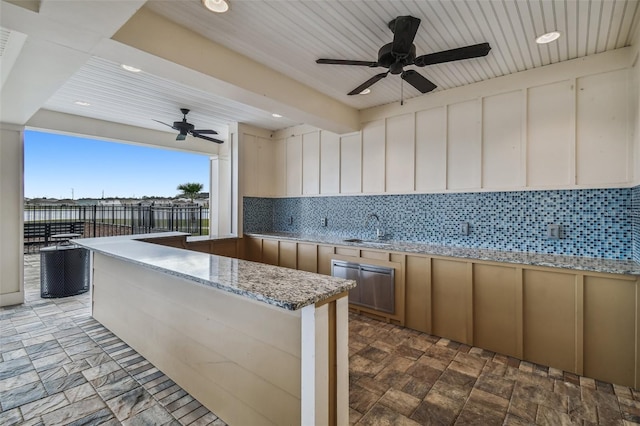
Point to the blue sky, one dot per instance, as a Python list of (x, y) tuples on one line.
[(53, 164)]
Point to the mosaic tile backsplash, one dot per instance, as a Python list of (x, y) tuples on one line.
[(635, 220), (603, 223)]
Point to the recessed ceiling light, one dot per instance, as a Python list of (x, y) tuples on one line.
[(130, 68), (365, 92), (82, 103), (218, 6), (548, 37), (276, 115)]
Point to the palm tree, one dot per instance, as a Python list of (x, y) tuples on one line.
[(190, 190)]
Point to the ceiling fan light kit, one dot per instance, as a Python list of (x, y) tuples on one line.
[(402, 52), (185, 128)]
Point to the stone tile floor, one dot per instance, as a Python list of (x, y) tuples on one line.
[(59, 366)]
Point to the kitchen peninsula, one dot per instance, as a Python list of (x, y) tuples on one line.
[(257, 344)]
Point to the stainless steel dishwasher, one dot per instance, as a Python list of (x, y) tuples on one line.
[(376, 284)]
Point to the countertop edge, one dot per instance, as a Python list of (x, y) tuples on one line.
[(95, 244), (587, 264)]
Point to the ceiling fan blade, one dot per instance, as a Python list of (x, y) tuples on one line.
[(368, 83), (163, 123), (197, 135), (205, 131), (418, 81), (467, 52), (404, 32), (346, 62), (181, 136)]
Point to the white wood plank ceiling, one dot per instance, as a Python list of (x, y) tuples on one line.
[(289, 35)]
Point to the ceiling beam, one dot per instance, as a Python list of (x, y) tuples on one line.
[(60, 37), (232, 75)]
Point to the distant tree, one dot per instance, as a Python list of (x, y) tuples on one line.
[(190, 190)]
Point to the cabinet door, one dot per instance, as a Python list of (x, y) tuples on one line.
[(294, 165), (270, 251), (253, 249), (418, 293), (549, 319), (497, 294), (609, 329), (307, 257), (325, 254), (451, 300), (287, 254)]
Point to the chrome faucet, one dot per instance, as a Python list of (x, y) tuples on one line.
[(379, 230)]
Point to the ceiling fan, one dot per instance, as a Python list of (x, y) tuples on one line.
[(186, 128), (402, 52)]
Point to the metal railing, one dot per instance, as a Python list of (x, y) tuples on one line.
[(125, 219)]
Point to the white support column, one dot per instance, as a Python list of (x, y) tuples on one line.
[(11, 214), (214, 195)]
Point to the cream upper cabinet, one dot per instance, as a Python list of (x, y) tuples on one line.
[(464, 151), (373, 157), (602, 147), (294, 165), (431, 150), (350, 164), (311, 163), (401, 149), (329, 163), (523, 133), (550, 134), (502, 141)]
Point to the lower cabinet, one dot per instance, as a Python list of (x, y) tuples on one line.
[(582, 322)]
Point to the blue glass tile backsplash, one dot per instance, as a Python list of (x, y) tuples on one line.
[(602, 223), (635, 220)]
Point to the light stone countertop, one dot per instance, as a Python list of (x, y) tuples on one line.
[(626, 267), (286, 288)]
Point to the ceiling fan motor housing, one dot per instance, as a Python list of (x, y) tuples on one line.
[(388, 59)]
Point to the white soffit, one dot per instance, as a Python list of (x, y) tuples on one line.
[(139, 98), (11, 43)]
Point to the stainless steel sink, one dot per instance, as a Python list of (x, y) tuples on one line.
[(352, 240)]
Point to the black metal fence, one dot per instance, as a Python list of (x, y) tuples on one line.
[(109, 220)]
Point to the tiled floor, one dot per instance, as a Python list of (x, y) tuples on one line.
[(59, 366)]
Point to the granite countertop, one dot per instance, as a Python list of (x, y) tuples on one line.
[(286, 288), (626, 267)]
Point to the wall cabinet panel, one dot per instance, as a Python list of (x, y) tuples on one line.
[(549, 319), (373, 157), (400, 153), (431, 149), (602, 129), (294, 165), (502, 141), (463, 145), (350, 164), (550, 134), (329, 163), (311, 163)]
